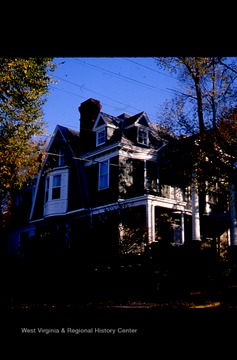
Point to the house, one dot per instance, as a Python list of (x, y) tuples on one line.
[(104, 190)]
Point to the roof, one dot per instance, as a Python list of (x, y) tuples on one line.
[(72, 137), (159, 135), (111, 120)]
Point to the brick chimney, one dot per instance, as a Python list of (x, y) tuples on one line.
[(89, 110)]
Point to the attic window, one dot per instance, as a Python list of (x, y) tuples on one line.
[(142, 136), (100, 137)]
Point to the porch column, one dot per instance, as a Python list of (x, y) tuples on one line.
[(150, 221), (145, 175), (233, 218), (182, 228), (195, 214), (207, 204)]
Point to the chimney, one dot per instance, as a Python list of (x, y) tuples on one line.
[(89, 110)]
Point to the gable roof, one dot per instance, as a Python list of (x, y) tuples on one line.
[(106, 119), (140, 118), (71, 137), (158, 134)]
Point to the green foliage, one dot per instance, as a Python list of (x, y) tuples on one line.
[(23, 92)]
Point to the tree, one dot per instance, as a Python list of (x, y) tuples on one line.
[(204, 109), (24, 87), (208, 90)]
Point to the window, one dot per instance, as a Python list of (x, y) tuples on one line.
[(56, 189), (52, 187), (142, 136), (100, 137), (104, 175)]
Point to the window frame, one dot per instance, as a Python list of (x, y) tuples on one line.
[(102, 176), (98, 139), (56, 189), (52, 191), (139, 136)]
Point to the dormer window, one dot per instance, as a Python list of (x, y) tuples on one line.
[(101, 137), (142, 136)]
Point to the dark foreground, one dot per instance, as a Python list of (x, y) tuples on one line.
[(196, 325), (119, 330), (192, 317), (60, 306)]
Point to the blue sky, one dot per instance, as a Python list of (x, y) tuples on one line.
[(122, 84)]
